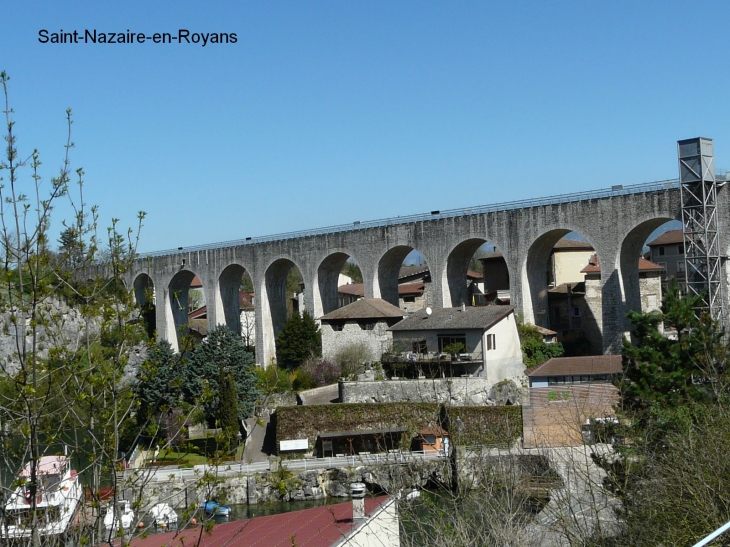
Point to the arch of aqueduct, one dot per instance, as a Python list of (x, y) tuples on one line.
[(616, 222)]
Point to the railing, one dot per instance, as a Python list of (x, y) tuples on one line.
[(163, 474), (431, 358), (618, 190)]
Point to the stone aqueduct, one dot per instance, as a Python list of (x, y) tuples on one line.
[(616, 222)]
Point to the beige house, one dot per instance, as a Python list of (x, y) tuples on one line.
[(568, 258)]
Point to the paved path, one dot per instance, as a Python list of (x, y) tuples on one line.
[(321, 395), (253, 452)]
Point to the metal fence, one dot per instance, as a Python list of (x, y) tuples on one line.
[(164, 474), (618, 190)]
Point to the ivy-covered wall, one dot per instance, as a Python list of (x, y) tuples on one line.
[(490, 425)]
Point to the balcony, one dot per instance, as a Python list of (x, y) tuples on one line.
[(431, 364)]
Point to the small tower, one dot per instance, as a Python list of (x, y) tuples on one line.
[(698, 191)]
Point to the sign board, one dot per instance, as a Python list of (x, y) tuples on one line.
[(294, 444)]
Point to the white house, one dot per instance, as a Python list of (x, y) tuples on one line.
[(487, 335)]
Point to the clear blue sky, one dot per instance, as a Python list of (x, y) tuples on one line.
[(327, 112)]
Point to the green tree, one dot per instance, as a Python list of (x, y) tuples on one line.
[(298, 340), (228, 406), (534, 350), (158, 384), (352, 270), (60, 388), (222, 349), (662, 371)]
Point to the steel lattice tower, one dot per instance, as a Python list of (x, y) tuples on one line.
[(698, 191)]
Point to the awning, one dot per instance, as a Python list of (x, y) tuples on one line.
[(361, 432)]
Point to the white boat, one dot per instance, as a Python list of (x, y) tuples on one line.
[(58, 496), (163, 515), (111, 521)]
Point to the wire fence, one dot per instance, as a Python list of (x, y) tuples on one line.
[(614, 191)]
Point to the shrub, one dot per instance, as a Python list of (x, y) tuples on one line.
[(323, 373), (273, 379), (302, 380), (352, 359)]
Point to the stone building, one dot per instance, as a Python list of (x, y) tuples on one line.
[(576, 309), (487, 335), (667, 250), (364, 321)]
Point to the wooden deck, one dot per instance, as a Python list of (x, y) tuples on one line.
[(555, 414)]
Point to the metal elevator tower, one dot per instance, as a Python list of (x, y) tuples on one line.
[(698, 191)]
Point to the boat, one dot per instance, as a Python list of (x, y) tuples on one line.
[(163, 515), (111, 521), (216, 509), (57, 498)]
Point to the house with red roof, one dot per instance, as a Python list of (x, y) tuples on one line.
[(373, 523)]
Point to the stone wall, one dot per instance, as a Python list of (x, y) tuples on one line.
[(316, 484), (454, 391), (377, 340)]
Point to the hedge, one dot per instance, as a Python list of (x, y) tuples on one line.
[(483, 425)]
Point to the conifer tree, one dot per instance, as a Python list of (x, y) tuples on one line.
[(298, 340)]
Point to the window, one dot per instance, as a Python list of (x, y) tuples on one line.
[(491, 341), (367, 325), (338, 326), (680, 249), (575, 311), (409, 299), (420, 347), (680, 267), (448, 339), (661, 251)]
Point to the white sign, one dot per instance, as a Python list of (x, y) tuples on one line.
[(295, 444)]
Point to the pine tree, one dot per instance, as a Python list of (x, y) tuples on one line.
[(222, 349), (298, 340)]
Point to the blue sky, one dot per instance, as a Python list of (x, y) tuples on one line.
[(327, 112)]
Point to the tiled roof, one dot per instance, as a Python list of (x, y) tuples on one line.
[(492, 256), (667, 238), (245, 302), (544, 331), (471, 274), (196, 283), (573, 244), (317, 527), (355, 289), (433, 430), (410, 271), (472, 317), (358, 289), (365, 308), (594, 265), (562, 289), (411, 288), (589, 364)]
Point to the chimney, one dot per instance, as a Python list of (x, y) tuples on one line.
[(357, 491), (463, 307)]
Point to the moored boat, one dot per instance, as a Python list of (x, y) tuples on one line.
[(163, 515), (111, 521), (216, 509), (57, 498)]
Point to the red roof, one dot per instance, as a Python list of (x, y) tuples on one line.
[(667, 238), (358, 289), (318, 527), (594, 266)]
